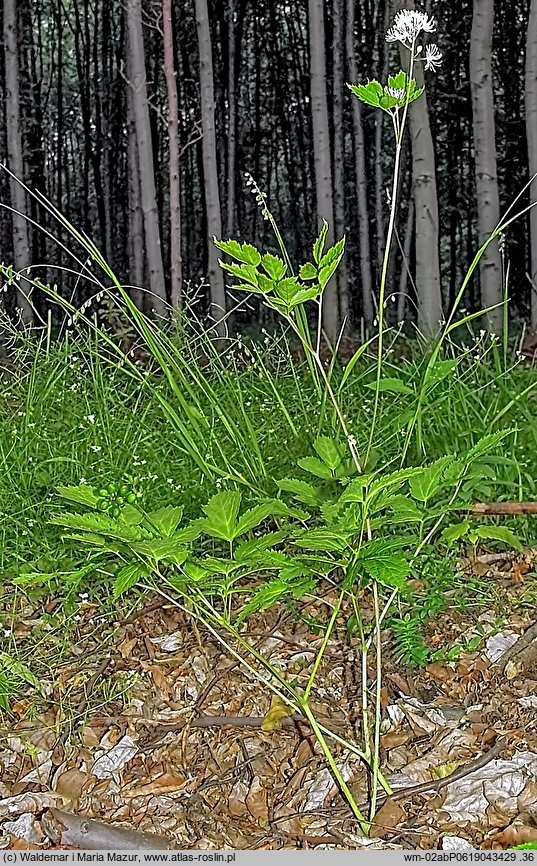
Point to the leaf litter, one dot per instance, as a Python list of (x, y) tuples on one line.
[(154, 729)]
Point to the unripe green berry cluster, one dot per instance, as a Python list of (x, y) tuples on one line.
[(114, 496)]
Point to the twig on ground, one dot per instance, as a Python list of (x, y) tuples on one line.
[(481, 508), (437, 785)]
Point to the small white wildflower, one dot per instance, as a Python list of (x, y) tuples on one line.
[(82, 481), (95, 448), (83, 595), (407, 26), (7, 632), (396, 92), (433, 57), (90, 418)]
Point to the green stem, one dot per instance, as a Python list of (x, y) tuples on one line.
[(399, 128), (364, 824), (324, 644)]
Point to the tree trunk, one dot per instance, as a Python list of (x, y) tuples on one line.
[(231, 120), (380, 119), (488, 204), (210, 168), (321, 151), (427, 251), (21, 245), (405, 264), (427, 275), (339, 89), (531, 136), (135, 221), (361, 176), (144, 147), (173, 144)]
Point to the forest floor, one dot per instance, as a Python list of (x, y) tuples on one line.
[(124, 711), (147, 724)]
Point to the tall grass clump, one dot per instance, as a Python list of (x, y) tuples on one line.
[(343, 508)]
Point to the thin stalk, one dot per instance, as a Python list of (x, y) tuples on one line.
[(378, 707), (324, 644), (364, 824), (399, 128)]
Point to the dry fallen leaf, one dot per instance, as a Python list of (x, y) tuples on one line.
[(278, 710), (387, 818), (71, 783), (256, 800), (516, 834)]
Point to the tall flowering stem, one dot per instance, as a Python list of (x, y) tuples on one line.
[(395, 99)]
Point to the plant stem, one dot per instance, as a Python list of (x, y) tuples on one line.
[(364, 824)]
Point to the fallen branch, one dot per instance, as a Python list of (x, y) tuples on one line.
[(482, 508), (160, 731), (64, 829), (461, 773)]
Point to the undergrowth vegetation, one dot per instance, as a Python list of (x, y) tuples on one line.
[(233, 479)]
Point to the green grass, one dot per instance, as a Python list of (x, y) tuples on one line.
[(201, 422), (70, 414)]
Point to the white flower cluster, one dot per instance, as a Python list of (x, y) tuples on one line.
[(407, 26)]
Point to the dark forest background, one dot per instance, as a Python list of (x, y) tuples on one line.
[(138, 121)]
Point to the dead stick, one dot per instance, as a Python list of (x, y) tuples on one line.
[(461, 773), (161, 730), (482, 508)]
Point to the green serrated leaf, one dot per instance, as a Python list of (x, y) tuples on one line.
[(455, 531), (159, 549), (308, 271), (369, 93), (250, 255), (391, 480), (102, 525), (190, 532), (488, 443), (304, 295), (219, 565), (231, 247), (274, 266), (398, 81), (301, 490), (323, 539), (255, 547), (315, 467), (287, 289), (242, 252), (329, 451), (430, 479), (253, 517), (263, 598), (330, 262), (87, 538), (82, 495), (384, 562), (128, 576), (243, 272), (222, 511), (194, 571), (166, 519), (499, 533), (318, 246)]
